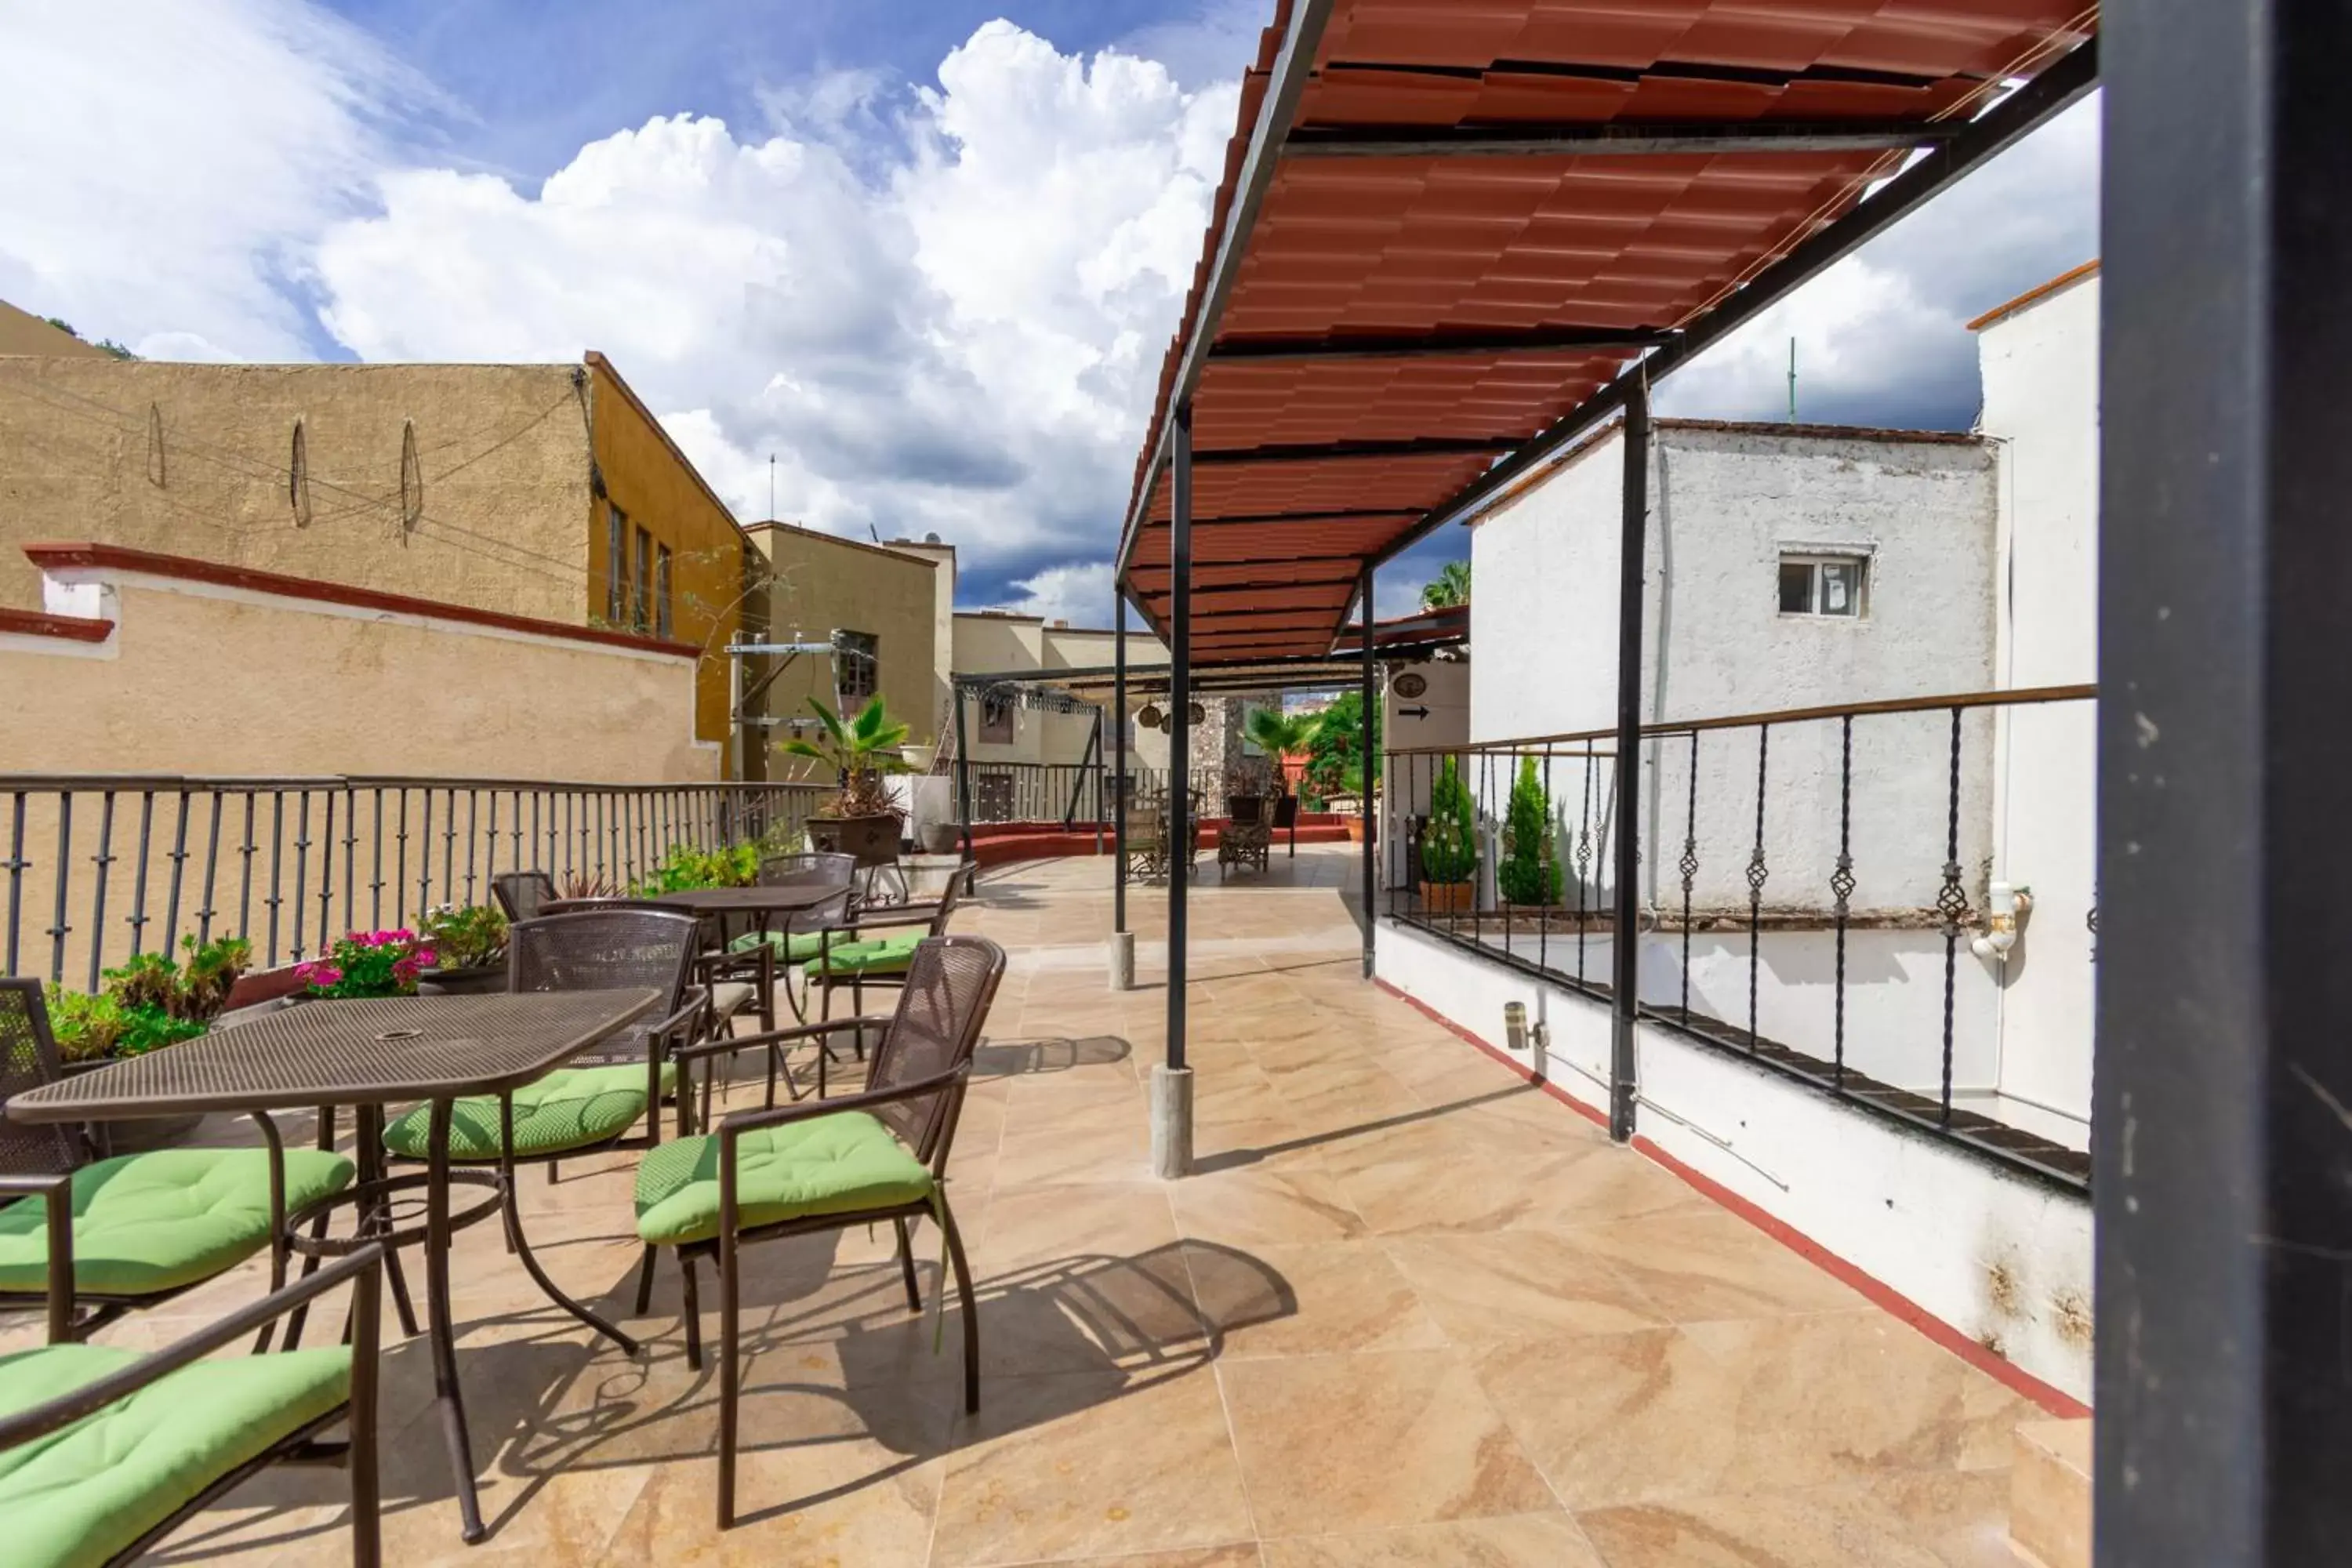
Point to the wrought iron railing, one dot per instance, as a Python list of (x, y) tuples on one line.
[(1794, 837), (100, 867), (1071, 793)]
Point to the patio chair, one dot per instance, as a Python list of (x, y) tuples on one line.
[(1285, 820), (754, 955), (848, 955), (1248, 838), (146, 1227), (727, 996), (1147, 850), (104, 1451), (591, 1104), (828, 1164), (522, 894)]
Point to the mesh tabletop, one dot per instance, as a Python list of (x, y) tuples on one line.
[(348, 1053), (747, 900)]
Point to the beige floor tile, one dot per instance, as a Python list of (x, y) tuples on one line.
[(1091, 1465), (1522, 1541), (1256, 1204), (1240, 1555), (1341, 1442), (1935, 1522), (1703, 1264), (1073, 1226), (1314, 1300), (1503, 1285)]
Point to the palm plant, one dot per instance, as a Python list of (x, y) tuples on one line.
[(1450, 587), (1279, 734), (860, 752)]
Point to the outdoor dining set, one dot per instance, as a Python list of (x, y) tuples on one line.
[(618, 1014)]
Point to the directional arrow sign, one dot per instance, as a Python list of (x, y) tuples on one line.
[(1413, 713)]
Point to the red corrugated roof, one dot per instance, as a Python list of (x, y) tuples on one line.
[(1391, 245)]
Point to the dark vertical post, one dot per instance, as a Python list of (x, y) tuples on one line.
[(1180, 718), (1364, 802), (2222, 1082), (963, 774), (1118, 773), (1624, 954)]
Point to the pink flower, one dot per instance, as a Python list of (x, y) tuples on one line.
[(321, 975)]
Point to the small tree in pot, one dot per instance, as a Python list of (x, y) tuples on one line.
[(864, 821), (469, 951), (1529, 871), (1449, 845)]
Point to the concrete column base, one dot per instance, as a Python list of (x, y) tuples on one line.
[(1122, 960), (1172, 1122)]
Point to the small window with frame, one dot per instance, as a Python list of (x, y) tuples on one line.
[(664, 624), (1832, 587), (857, 668)]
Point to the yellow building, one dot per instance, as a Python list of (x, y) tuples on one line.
[(545, 492)]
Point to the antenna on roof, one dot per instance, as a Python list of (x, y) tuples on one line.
[(1792, 381), (772, 484)]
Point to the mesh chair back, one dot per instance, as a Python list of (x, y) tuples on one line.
[(1285, 811), (948, 901), (28, 1059), (522, 894), (607, 948), (941, 1011), (1248, 810), (822, 869)]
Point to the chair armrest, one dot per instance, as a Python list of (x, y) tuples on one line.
[(366, 1264), (736, 1124), (771, 1036), (56, 1193)]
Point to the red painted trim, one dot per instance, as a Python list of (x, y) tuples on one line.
[(1593, 1115), (51, 556), (2057, 1401), (71, 628)]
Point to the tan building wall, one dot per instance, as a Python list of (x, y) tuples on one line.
[(817, 585), (658, 492), (943, 593), (992, 641), (22, 332)]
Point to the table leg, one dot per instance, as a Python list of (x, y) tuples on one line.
[(445, 1337), (368, 1130)]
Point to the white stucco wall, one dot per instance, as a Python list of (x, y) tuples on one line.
[(2000, 1258), (1725, 503), (2041, 413)]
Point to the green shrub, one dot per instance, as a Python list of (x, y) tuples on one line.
[(1529, 872), (467, 937), (686, 867), (147, 1002), (1449, 847)]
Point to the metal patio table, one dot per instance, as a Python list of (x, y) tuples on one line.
[(762, 905), (367, 1054)]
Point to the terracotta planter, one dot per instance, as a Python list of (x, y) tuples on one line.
[(1448, 898), (479, 980), (873, 839), (1355, 831)]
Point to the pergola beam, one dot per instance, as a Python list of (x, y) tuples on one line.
[(1359, 451), (1615, 139), (1426, 345)]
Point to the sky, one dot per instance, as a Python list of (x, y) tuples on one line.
[(925, 254)]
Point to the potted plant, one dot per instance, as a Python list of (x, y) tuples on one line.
[(1281, 736), (864, 820), (1449, 845), (146, 1005), (368, 964), (469, 951), (1529, 872), (736, 866)]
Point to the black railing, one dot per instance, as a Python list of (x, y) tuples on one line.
[(1867, 823), (103, 866), (1070, 794)]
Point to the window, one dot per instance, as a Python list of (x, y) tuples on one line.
[(663, 625), (616, 566), (642, 580), (857, 668), (996, 718), (1823, 584)]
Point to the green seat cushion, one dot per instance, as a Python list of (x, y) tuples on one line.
[(793, 947), (830, 1164), (82, 1495), (877, 955), (145, 1223), (568, 1109)]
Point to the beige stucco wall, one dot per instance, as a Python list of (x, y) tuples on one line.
[(943, 593), (22, 332), (819, 584), (195, 459)]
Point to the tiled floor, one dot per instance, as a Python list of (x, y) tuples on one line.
[(1410, 1313)]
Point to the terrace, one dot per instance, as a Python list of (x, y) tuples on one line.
[(1409, 1308)]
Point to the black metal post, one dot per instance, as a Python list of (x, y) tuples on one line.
[(2222, 1080), (1118, 776), (1364, 739), (1180, 718), (963, 776), (1624, 954)]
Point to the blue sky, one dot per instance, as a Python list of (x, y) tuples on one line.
[(927, 255)]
